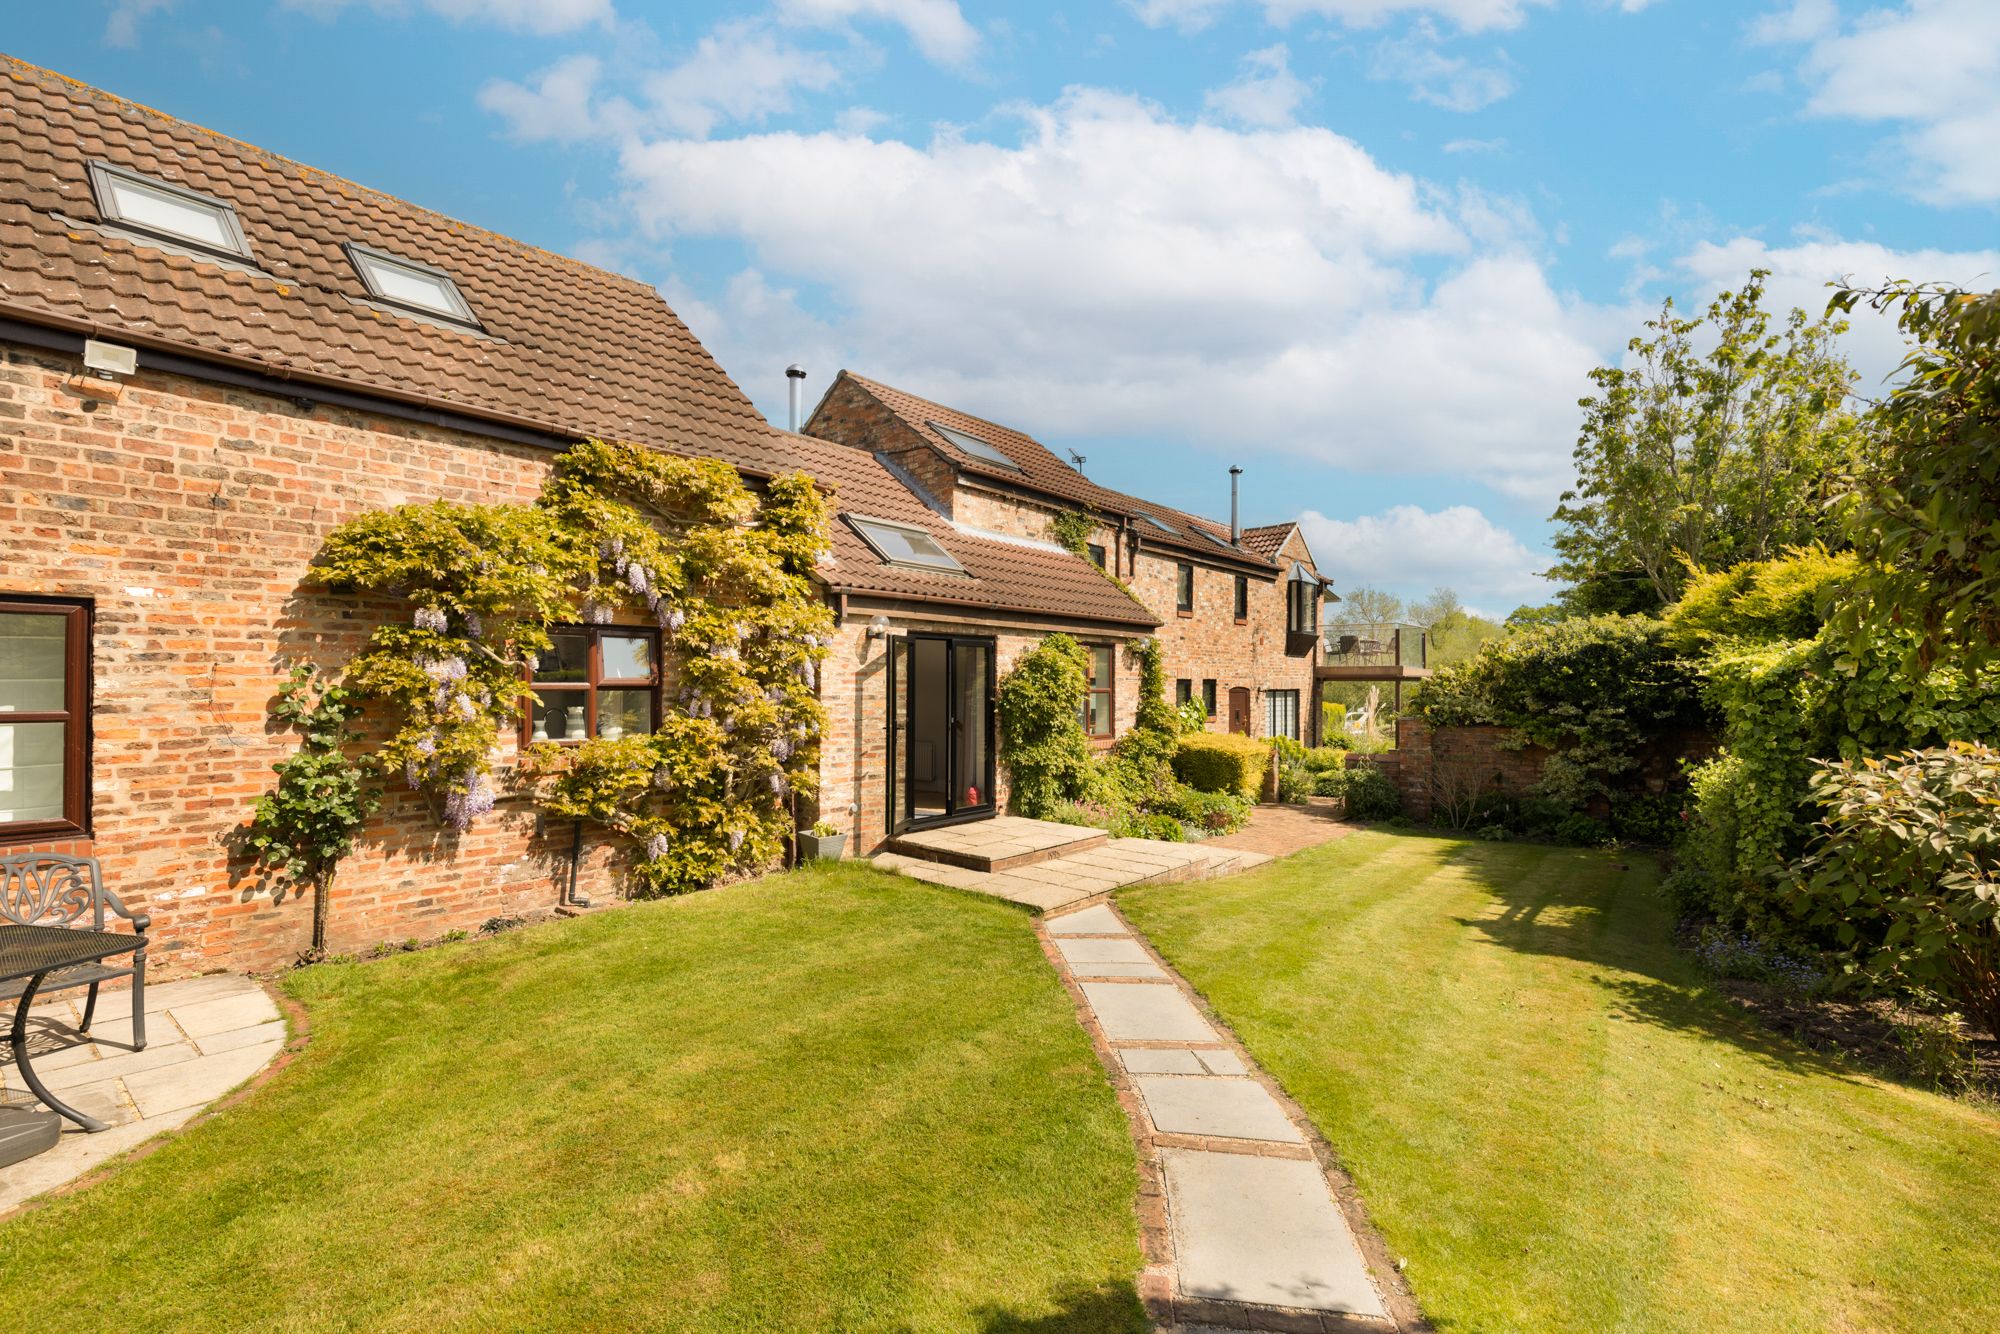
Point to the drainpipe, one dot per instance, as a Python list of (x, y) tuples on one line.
[(1235, 512), (795, 386)]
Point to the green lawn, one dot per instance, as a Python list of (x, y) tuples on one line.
[(835, 1100), (1555, 1125)]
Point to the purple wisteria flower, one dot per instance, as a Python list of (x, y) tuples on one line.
[(778, 785), (461, 808), (809, 674), (635, 578), (657, 846), (473, 625), (410, 774), (676, 619), (781, 748), (663, 779), (429, 618), (735, 839)]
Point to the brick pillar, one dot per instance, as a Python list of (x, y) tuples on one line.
[(1413, 769)]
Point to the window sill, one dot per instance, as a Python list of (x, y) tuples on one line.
[(1243, 620), (1184, 615)]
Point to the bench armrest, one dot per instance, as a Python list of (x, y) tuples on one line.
[(140, 921)]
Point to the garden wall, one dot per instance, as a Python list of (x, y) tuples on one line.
[(1430, 764)]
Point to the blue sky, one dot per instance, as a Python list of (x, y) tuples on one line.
[(1366, 248)]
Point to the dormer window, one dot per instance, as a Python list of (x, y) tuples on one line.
[(1302, 602), (973, 445), (170, 212), (413, 286), (902, 544)]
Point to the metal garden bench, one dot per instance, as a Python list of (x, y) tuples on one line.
[(50, 890)]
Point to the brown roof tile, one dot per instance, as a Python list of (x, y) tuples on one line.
[(1266, 539), (567, 348), (1042, 471)]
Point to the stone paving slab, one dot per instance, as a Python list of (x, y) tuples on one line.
[(1263, 1230), (1225, 1108), (1222, 1061), (1093, 921), (1160, 1061), (1149, 971), (205, 1036), (1146, 1012), (1088, 950)]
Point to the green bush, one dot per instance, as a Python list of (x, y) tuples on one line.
[(1331, 782), (1371, 796), (1650, 818), (1906, 872), (1041, 732), (1192, 717), (1222, 762), (1295, 784), (1577, 830)]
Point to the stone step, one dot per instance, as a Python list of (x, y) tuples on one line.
[(1002, 844)]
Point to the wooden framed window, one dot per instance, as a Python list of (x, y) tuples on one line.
[(1281, 710), (1096, 551), (44, 719), (1099, 702), (595, 681), (1208, 694), (1302, 603), (1183, 691), (1184, 589), (1242, 598)]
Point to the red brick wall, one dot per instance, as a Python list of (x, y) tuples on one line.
[(188, 514), (1429, 762)]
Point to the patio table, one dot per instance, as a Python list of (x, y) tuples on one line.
[(34, 952)]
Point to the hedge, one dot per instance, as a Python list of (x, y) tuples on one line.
[(1223, 762)]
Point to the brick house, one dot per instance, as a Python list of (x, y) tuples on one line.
[(210, 357), (1238, 609)]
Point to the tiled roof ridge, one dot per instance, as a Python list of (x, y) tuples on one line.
[(14, 65)]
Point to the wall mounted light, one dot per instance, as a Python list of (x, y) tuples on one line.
[(878, 628)]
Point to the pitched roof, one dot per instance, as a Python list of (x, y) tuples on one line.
[(563, 348), (1266, 539), (1014, 576), (567, 348), (1040, 470)]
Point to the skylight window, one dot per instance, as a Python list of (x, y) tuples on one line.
[(900, 544), (171, 212), (1147, 518), (976, 447), (413, 286)]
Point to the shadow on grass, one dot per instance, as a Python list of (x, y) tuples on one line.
[(1110, 1307), (1598, 917)]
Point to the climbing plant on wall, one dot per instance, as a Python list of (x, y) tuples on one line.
[(725, 576)]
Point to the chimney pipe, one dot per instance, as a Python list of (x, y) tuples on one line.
[(1235, 511), (795, 383)]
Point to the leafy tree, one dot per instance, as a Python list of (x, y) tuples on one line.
[(1041, 731), (1925, 510), (1719, 442), (1370, 606)]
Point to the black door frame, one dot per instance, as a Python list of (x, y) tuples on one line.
[(954, 814)]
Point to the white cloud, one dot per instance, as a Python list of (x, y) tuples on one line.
[(937, 27), (1800, 273), (741, 72), (1476, 146), (1930, 66), (1186, 15), (557, 106), (121, 25), (536, 16), (1408, 549), (1466, 15), (1452, 82), (1093, 273), (1265, 94)]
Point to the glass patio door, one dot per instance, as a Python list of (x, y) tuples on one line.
[(940, 729)]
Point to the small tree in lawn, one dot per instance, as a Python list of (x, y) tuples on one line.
[(1720, 442), (307, 823)]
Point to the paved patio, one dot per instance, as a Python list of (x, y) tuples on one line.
[(205, 1035), (1053, 866), (1280, 831)]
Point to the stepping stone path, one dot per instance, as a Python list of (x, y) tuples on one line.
[(1248, 1225)]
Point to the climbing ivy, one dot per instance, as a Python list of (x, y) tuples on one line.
[(615, 528), (1041, 727), (1071, 530)]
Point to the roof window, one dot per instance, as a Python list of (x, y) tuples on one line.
[(1147, 518), (413, 286), (171, 212), (902, 544), (976, 447)]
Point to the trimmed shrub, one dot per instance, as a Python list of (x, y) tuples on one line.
[(1907, 870), (1371, 796), (1222, 762)]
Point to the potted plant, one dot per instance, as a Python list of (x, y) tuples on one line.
[(823, 840)]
